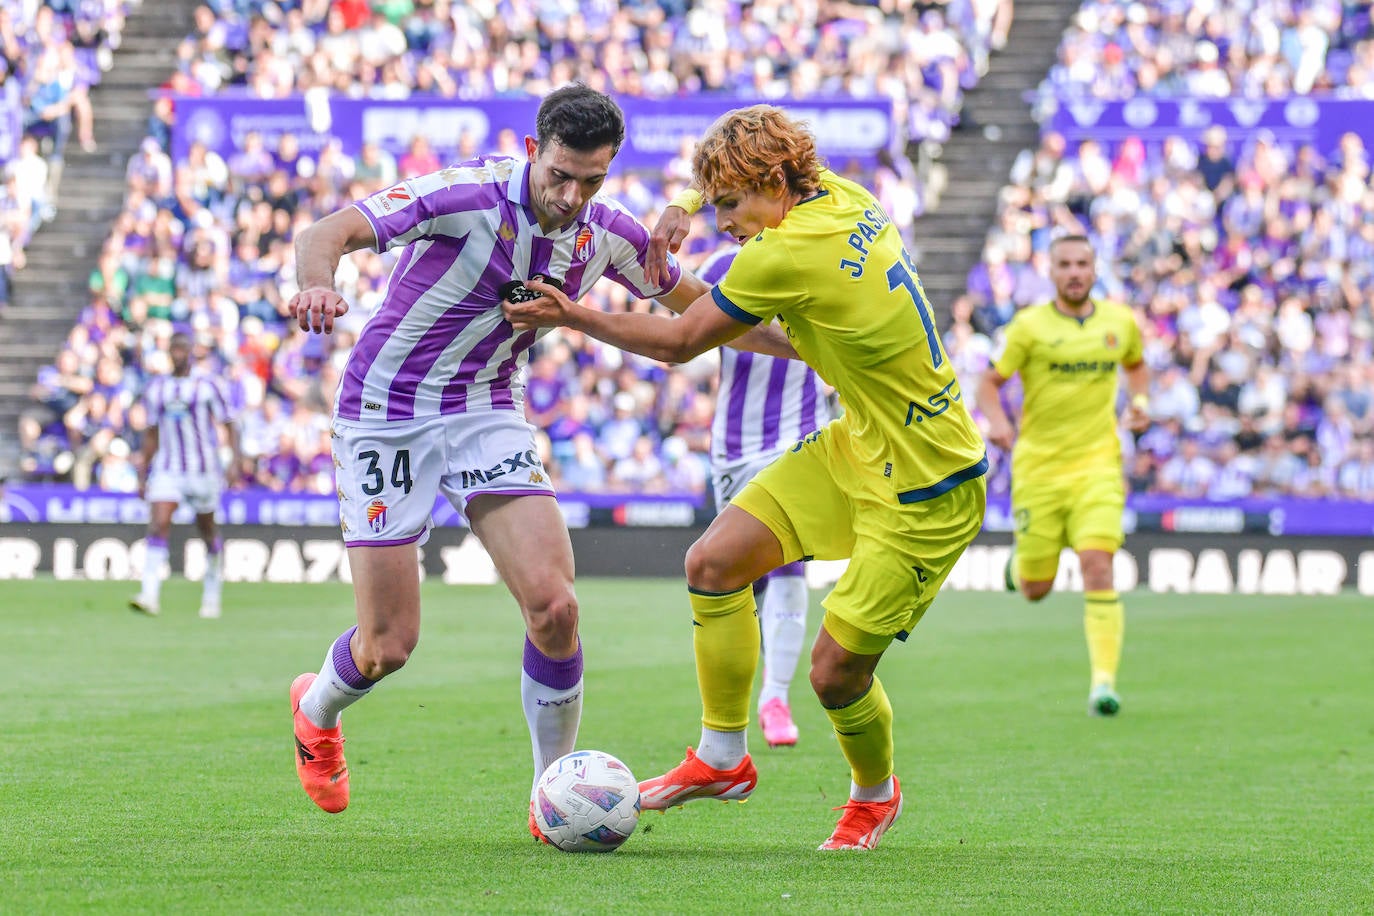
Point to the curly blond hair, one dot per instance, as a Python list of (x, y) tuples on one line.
[(758, 148)]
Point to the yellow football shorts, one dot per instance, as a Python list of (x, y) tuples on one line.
[(1082, 512), (821, 503)]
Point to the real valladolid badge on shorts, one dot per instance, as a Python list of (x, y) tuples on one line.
[(376, 515)]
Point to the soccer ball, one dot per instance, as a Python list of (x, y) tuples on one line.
[(587, 801)]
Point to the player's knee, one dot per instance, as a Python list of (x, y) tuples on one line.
[(1097, 570), (1036, 591), (835, 687), (709, 570), (552, 620), (376, 658)]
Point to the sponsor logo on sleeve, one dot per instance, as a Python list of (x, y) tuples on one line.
[(391, 200)]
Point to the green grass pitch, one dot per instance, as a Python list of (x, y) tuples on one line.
[(146, 764)]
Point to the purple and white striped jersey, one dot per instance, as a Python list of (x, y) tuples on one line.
[(438, 344), (185, 409), (763, 404)]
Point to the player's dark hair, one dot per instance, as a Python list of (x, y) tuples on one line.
[(580, 118)]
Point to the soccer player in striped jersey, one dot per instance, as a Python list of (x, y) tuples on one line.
[(765, 405), (180, 463), (895, 484), (1068, 488), (431, 401)]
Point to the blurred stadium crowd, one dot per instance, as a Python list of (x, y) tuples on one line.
[(51, 54), (1249, 262)]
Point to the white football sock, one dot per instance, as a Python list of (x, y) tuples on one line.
[(782, 615), (882, 792), (722, 750), (553, 717), (213, 583), (154, 558), (333, 692)]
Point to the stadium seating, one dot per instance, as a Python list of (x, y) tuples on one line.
[(51, 54), (1245, 256)]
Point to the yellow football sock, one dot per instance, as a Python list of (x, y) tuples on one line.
[(864, 729), (725, 638), (1104, 621)]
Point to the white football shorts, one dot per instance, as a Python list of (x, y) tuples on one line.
[(198, 489), (389, 475), (729, 477)]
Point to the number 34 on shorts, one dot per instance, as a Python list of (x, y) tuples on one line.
[(389, 477)]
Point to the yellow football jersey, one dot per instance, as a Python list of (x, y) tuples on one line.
[(1069, 371), (836, 275)]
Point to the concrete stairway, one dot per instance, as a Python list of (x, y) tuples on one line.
[(979, 155), (51, 290)]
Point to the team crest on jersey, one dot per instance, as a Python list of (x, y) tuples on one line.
[(376, 516), (582, 248), (1110, 341), (507, 232)]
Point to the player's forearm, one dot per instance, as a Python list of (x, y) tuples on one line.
[(655, 336), (320, 246), (1138, 381), (770, 340), (989, 399), (317, 257), (147, 452)]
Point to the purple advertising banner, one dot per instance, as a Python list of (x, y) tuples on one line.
[(1293, 121), (38, 503), (655, 128), (29, 503)]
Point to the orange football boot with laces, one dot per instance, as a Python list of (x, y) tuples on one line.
[(863, 823), (693, 779), (319, 754)]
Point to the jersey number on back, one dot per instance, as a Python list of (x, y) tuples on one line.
[(903, 273)]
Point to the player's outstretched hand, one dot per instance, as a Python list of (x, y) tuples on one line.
[(1001, 434), (550, 310), (316, 308), (1137, 419), (667, 236)]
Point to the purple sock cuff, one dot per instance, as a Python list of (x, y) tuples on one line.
[(216, 546), (791, 569), (153, 540), (344, 665), (558, 673)]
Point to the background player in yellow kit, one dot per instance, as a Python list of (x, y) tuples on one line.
[(1067, 484), (896, 484)]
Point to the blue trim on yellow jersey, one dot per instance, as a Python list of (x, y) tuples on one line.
[(734, 311), (944, 486), (817, 196), (1054, 306)]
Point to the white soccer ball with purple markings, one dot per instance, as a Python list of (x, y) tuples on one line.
[(587, 801)]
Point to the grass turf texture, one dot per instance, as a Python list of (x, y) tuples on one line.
[(147, 763)]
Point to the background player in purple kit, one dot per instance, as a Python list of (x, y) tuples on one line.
[(181, 464), (431, 401), (763, 406)]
